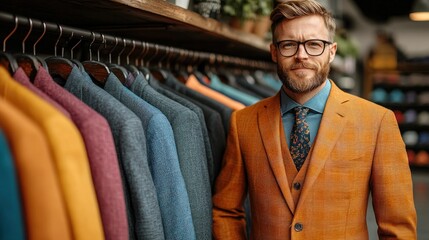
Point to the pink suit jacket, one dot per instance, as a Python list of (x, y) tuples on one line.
[(358, 149)]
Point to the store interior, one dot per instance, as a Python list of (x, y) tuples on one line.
[(383, 54)]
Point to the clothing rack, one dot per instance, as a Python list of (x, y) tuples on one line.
[(84, 43)]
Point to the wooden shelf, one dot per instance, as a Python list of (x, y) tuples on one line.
[(153, 21)]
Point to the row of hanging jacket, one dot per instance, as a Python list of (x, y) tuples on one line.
[(95, 150)]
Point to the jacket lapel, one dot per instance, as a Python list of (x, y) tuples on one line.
[(331, 126), (269, 124)]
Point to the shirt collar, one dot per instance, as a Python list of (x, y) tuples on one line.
[(316, 103)]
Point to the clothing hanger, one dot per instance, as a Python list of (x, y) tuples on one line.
[(132, 68), (145, 68), (59, 66), (6, 59), (40, 59), (179, 72), (159, 72), (97, 70), (120, 72), (29, 63), (140, 62)]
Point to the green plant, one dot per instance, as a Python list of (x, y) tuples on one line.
[(247, 9), (264, 7)]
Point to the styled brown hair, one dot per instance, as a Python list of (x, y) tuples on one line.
[(290, 9)]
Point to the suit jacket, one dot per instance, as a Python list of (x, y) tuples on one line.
[(41, 197), (69, 154), (22, 78), (358, 149), (190, 149), (144, 216), (214, 125), (102, 155), (163, 163), (202, 126), (224, 111)]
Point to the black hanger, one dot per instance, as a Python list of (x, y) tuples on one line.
[(179, 70), (159, 74), (6, 59), (29, 63)]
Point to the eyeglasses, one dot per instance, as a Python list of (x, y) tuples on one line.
[(313, 47)]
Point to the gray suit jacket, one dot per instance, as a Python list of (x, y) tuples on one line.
[(213, 121), (144, 215), (191, 152), (224, 111), (163, 162), (210, 162)]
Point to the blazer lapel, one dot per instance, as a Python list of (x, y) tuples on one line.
[(331, 126), (269, 124)]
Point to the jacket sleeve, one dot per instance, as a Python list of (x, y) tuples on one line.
[(391, 183), (230, 191)]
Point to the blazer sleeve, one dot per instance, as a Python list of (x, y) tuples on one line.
[(230, 191), (391, 184)]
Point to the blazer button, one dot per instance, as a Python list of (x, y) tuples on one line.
[(297, 186), (298, 227)]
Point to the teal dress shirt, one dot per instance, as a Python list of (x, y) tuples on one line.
[(316, 105)]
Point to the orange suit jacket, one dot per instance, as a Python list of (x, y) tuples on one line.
[(358, 149)]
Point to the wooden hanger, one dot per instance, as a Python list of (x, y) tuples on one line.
[(59, 66), (132, 68), (97, 70), (120, 72)]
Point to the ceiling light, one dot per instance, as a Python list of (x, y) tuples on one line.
[(420, 11)]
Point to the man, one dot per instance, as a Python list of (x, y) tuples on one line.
[(316, 185)]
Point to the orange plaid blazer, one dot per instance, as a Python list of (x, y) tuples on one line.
[(358, 149)]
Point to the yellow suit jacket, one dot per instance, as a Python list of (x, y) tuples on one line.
[(357, 150), (68, 153)]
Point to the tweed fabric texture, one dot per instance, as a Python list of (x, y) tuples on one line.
[(144, 215), (163, 163), (202, 126), (23, 79), (101, 152), (191, 152)]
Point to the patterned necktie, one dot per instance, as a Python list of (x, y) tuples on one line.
[(300, 137)]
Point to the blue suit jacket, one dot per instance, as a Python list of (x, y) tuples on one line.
[(144, 215), (197, 110), (191, 152), (163, 163)]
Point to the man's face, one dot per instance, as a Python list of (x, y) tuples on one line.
[(303, 73)]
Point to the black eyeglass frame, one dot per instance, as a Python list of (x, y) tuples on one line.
[(305, 48)]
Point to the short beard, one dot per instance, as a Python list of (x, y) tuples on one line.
[(300, 86)]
